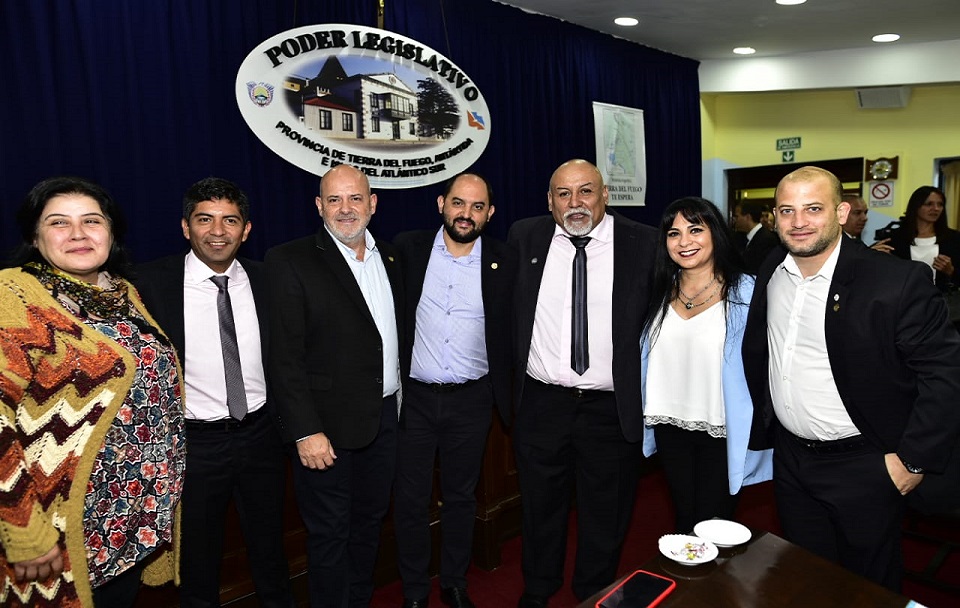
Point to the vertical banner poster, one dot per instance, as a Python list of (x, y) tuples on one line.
[(621, 153)]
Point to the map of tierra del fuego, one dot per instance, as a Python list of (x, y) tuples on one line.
[(619, 139)]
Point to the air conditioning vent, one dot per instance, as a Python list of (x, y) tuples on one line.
[(883, 97)]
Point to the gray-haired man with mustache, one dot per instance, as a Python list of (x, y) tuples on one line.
[(582, 285)]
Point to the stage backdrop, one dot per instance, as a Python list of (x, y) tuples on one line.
[(139, 96)]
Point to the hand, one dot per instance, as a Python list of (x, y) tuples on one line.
[(883, 246), (316, 452), (902, 478), (47, 566), (944, 264)]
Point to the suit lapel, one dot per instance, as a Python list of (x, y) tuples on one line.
[(341, 271), (624, 274), (531, 269)]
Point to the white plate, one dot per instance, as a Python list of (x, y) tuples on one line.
[(722, 532), (687, 550)]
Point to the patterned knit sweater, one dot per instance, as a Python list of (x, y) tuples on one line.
[(61, 385)]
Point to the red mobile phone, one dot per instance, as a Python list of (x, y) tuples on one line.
[(641, 589)]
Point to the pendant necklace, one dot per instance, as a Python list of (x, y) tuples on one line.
[(689, 303)]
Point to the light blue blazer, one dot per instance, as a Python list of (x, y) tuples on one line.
[(744, 467)]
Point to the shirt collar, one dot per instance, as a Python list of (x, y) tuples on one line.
[(369, 243), (826, 271), (196, 271), (441, 245), (753, 231), (602, 232)]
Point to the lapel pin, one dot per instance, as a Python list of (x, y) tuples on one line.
[(836, 297), (534, 261), (494, 265), (836, 308), (390, 257)]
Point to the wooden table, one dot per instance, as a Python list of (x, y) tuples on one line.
[(766, 572)]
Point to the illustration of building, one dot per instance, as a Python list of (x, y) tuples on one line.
[(362, 106)]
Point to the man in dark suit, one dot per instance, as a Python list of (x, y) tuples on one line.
[(230, 455), (577, 385), (757, 241), (854, 371), (456, 364), (335, 332)]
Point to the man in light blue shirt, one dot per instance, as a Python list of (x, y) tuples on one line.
[(456, 364)]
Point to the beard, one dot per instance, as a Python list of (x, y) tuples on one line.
[(576, 229), (463, 237), (344, 236)]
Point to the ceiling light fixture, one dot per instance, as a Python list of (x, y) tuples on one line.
[(790, 2), (744, 50), (626, 21), (886, 37)]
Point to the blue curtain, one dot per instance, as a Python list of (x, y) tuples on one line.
[(139, 96)]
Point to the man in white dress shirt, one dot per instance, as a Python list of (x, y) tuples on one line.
[(233, 454)]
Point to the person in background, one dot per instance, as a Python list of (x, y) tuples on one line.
[(234, 451), (767, 220), (456, 365), (854, 371), (91, 420), (857, 218), (924, 236), (336, 314), (581, 293), (757, 241), (697, 313)]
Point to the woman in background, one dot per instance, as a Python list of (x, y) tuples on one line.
[(91, 423), (923, 236), (697, 409)]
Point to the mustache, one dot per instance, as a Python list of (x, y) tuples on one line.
[(578, 210)]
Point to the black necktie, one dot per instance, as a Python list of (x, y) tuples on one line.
[(236, 395), (579, 344)]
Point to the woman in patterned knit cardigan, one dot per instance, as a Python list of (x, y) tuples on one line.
[(91, 423)]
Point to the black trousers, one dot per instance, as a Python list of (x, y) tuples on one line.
[(565, 439), (695, 467), (343, 508), (247, 465), (453, 423), (842, 506), (120, 591)]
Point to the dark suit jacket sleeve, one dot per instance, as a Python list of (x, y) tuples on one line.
[(930, 347), (288, 351)]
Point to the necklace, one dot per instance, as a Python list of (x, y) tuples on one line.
[(689, 303)]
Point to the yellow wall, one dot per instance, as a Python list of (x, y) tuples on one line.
[(741, 129)]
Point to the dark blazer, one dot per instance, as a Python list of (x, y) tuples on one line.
[(634, 248), (894, 355), (498, 269), (950, 246), (160, 284), (326, 363), (756, 251)]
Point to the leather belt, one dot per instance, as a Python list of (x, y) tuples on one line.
[(446, 387), (226, 424), (835, 446), (572, 391)]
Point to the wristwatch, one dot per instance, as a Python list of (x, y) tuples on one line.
[(911, 468)]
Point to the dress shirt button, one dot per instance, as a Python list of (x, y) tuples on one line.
[(784, 377), (447, 341)]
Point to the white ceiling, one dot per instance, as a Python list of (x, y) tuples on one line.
[(710, 29)]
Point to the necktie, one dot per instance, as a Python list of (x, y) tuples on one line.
[(579, 344), (236, 396)]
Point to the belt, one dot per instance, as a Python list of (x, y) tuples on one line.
[(447, 387), (572, 391), (226, 424), (835, 446)]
